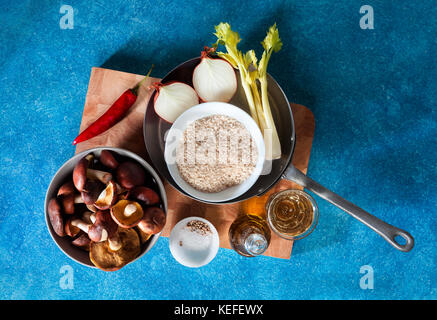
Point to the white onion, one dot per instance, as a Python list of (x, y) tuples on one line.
[(172, 99), (214, 79)]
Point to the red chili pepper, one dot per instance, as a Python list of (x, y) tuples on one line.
[(114, 114)]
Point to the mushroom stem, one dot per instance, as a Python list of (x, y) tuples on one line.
[(89, 157), (129, 209), (114, 242), (120, 189), (102, 176), (78, 199), (81, 225), (89, 217)]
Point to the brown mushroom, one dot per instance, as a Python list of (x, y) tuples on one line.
[(108, 159), (82, 173), (82, 241), (91, 191), (55, 215), (145, 195), (106, 259), (91, 208), (107, 197), (104, 228), (143, 236), (153, 221), (89, 217), (74, 225), (68, 197), (126, 213), (66, 188), (130, 174), (69, 201), (71, 229)]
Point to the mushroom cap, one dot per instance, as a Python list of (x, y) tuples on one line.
[(144, 194), (153, 221), (123, 220), (103, 223), (106, 259), (79, 173), (91, 208), (109, 196), (55, 216), (130, 174), (143, 236), (66, 189), (68, 203), (82, 241), (108, 159), (91, 191), (71, 230)]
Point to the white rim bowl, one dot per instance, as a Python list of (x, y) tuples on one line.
[(177, 250), (203, 110)]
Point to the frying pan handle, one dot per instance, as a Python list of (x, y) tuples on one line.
[(387, 231)]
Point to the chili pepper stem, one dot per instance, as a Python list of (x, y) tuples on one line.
[(135, 89)]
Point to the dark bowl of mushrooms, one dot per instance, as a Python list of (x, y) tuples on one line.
[(105, 208)]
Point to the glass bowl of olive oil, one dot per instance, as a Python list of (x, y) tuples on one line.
[(292, 214)]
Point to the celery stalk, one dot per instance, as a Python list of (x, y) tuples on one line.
[(230, 39), (250, 73), (271, 43)]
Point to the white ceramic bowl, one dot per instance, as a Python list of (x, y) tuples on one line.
[(201, 111), (65, 173), (192, 255)]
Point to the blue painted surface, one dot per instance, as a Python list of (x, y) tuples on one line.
[(373, 94)]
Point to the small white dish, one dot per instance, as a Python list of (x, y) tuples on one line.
[(203, 110), (193, 249)]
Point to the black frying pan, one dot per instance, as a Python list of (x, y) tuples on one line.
[(154, 129)]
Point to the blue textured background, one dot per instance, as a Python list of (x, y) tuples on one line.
[(373, 94)]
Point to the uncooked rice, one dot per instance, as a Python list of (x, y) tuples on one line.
[(215, 153)]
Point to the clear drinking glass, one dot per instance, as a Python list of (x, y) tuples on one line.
[(292, 214)]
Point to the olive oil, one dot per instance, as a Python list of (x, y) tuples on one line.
[(249, 235)]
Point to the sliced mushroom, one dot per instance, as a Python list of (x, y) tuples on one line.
[(145, 195), (153, 221), (126, 213), (55, 215), (130, 174), (108, 159), (107, 197), (82, 241), (104, 228), (106, 259)]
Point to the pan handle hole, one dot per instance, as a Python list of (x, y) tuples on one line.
[(399, 239)]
